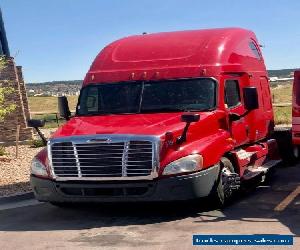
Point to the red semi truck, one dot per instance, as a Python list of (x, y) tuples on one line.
[(163, 117)]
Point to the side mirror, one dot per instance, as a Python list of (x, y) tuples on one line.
[(35, 123), (250, 98), (63, 107), (188, 118)]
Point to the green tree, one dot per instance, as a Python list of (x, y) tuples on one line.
[(5, 108)]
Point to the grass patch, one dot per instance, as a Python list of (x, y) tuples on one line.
[(282, 93), (53, 124), (283, 115), (37, 143), (48, 103), (2, 151), (51, 121)]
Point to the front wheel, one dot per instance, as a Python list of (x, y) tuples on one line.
[(228, 182)]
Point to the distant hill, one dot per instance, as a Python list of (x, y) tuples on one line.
[(281, 73), (72, 87), (54, 88), (57, 82)]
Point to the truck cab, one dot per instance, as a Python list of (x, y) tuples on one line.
[(162, 117)]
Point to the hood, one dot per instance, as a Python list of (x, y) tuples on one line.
[(138, 124)]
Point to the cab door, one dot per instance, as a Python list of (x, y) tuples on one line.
[(233, 103)]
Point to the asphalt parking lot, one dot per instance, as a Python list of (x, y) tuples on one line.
[(272, 208)]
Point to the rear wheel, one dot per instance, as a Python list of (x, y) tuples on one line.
[(226, 185)]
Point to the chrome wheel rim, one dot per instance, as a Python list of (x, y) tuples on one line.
[(226, 181)]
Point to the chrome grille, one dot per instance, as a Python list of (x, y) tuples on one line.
[(98, 160), (81, 159), (63, 159), (139, 160)]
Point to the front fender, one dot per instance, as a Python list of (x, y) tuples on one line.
[(212, 148)]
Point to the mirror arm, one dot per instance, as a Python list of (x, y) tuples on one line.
[(182, 138), (41, 135)]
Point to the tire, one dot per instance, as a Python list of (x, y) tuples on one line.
[(222, 193), (288, 152)]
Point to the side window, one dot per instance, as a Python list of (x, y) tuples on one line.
[(254, 50), (232, 93), (91, 97)]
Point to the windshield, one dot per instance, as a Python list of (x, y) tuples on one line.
[(147, 97)]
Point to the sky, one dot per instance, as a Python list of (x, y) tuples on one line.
[(58, 39)]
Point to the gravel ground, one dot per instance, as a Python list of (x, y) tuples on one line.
[(14, 173)]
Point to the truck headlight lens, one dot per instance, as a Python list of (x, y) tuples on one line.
[(185, 164), (37, 168)]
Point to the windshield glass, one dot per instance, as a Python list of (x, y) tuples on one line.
[(146, 97)]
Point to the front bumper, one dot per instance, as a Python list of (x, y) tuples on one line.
[(185, 187)]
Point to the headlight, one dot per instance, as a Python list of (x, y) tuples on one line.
[(185, 164), (37, 168)]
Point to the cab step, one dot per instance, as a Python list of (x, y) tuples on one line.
[(252, 171)]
